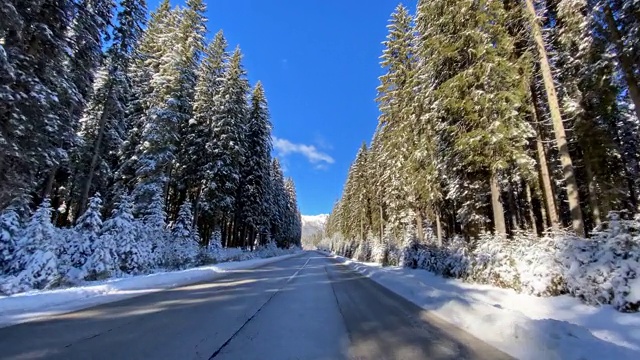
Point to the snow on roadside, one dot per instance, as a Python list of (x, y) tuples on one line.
[(524, 326), (32, 305)]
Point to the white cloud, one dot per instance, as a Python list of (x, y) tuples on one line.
[(285, 147)]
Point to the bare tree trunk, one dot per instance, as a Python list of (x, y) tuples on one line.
[(513, 208), (593, 196), (498, 211), (419, 226), (625, 62), (558, 126), (438, 228), (381, 223), (49, 184), (551, 212), (532, 215)]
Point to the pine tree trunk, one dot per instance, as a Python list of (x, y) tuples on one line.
[(623, 59), (532, 215), (551, 211), (419, 226), (496, 205), (438, 228), (593, 196), (561, 138), (48, 188), (513, 209), (381, 223)]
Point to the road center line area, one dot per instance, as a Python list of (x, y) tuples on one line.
[(307, 307)]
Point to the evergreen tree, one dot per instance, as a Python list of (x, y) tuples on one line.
[(121, 229), (194, 150), (255, 170), (225, 146), (10, 228), (36, 254), (102, 127), (37, 127), (184, 239), (86, 233)]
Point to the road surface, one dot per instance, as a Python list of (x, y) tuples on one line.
[(306, 307)]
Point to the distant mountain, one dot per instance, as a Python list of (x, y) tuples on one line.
[(313, 224)]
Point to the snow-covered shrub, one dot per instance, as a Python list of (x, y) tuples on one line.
[(457, 259), (362, 251), (605, 269), (539, 265), (379, 251), (493, 262), (10, 228), (394, 255), (409, 248), (183, 243)]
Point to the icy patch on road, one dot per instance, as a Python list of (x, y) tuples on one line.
[(37, 304), (524, 326)]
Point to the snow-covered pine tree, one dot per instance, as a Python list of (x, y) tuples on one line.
[(278, 205), (157, 150), (154, 228), (85, 235), (10, 228), (102, 127), (191, 33), (183, 243), (91, 21), (225, 146), (35, 48), (556, 118), (293, 220), (124, 232), (143, 67), (255, 170), (36, 259), (207, 89)]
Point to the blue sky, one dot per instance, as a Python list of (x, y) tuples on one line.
[(319, 63)]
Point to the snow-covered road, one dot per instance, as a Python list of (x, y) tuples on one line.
[(306, 307)]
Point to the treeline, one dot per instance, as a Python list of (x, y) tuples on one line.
[(500, 116), (98, 98)]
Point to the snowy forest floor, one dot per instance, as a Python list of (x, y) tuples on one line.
[(39, 304), (524, 326)]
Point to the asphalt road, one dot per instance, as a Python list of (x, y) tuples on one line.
[(307, 307)]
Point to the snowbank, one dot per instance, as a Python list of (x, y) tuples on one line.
[(524, 326), (37, 304)]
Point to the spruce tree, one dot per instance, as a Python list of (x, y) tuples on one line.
[(255, 170), (207, 90), (225, 149), (184, 239), (86, 233), (102, 127)]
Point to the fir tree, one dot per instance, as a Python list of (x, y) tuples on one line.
[(86, 233), (225, 146), (10, 228), (36, 255), (122, 230), (184, 240)]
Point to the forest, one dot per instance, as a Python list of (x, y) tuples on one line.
[(128, 142), (506, 150)]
